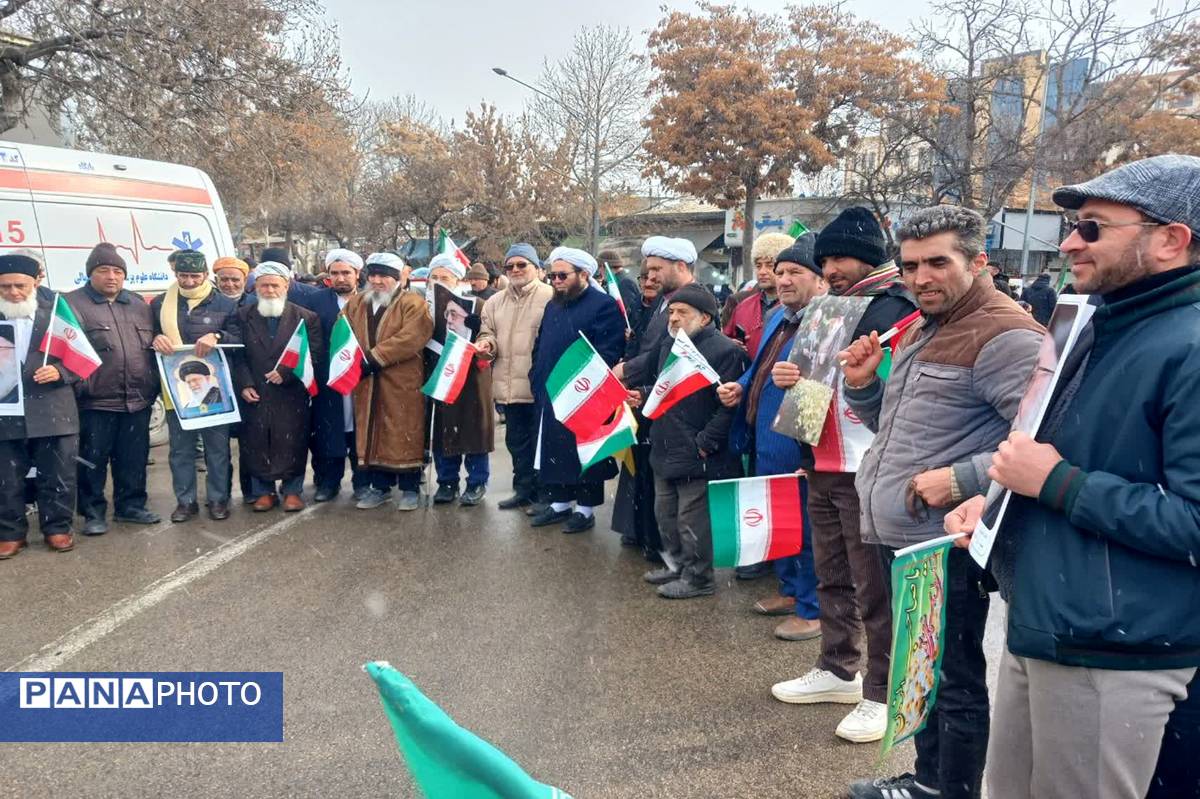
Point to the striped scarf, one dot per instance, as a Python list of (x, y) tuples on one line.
[(877, 281)]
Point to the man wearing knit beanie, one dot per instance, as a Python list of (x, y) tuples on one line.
[(852, 255), (745, 324), (104, 254)]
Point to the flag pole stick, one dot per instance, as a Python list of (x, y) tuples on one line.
[(50, 331), (428, 502)]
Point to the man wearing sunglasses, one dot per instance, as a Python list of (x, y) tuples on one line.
[(577, 307), (1097, 554), (508, 327)]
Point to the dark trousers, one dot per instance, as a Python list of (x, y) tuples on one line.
[(122, 439), (520, 437), (328, 472), (54, 459), (362, 477), (851, 586), (587, 494), (681, 507), (952, 748), (1177, 775)]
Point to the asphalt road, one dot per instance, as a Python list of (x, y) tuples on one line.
[(548, 645)]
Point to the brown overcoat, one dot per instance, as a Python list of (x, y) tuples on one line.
[(388, 405)]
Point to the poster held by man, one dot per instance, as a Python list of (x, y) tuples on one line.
[(200, 388), (11, 397)]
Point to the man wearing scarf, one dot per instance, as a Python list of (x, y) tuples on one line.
[(851, 583), (193, 313)]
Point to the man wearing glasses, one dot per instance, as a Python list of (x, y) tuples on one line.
[(509, 324)]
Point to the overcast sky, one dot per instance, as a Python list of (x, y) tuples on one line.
[(442, 51)]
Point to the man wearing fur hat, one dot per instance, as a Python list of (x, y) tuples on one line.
[(47, 435), (746, 322), (193, 313), (115, 401)]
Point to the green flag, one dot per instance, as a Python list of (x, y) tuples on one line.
[(445, 760), (918, 637), (797, 229)]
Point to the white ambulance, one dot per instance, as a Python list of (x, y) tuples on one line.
[(61, 203)]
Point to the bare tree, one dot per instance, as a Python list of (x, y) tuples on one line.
[(591, 102)]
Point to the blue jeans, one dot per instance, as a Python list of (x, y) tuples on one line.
[(798, 574), (449, 467), (183, 461), (264, 488)]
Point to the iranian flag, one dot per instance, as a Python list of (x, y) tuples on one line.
[(684, 372), (345, 357), (614, 291), (66, 341), (755, 519), (608, 439), (450, 373), (583, 390), (447, 246), (295, 356)]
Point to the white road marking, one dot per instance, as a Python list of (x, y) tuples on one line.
[(56, 653)]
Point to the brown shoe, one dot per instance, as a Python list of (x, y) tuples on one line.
[(798, 629), (776, 606), (292, 503), (265, 503), (60, 542), (9, 549)]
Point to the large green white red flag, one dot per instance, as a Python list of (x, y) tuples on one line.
[(450, 373), (684, 372), (446, 245), (295, 356), (583, 390), (345, 357), (66, 341), (755, 519), (607, 440), (614, 291)]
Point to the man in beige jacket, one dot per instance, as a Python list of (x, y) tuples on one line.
[(508, 327)]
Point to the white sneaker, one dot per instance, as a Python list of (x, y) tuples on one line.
[(866, 723), (819, 686)]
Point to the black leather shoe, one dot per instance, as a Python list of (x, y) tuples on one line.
[(137, 516), (550, 516), (446, 493), (95, 527), (578, 523), (184, 512), (472, 496), (218, 511), (537, 508), (515, 501), (325, 494)]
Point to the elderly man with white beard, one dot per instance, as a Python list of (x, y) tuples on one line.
[(47, 436), (275, 432), (392, 326)]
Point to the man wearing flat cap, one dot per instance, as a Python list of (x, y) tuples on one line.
[(333, 412), (577, 307), (1097, 553), (689, 445), (46, 437), (509, 324), (115, 401), (192, 313), (392, 326)]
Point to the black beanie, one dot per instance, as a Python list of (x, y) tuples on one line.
[(104, 254), (853, 234), (698, 297), (801, 253), (18, 265), (277, 254)]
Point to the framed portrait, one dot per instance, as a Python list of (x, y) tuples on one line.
[(201, 389), (451, 311), (12, 398)]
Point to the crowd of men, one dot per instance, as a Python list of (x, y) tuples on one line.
[(1096, 557)]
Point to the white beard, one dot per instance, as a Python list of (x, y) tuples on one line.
[(19, 310), (272, 308), (381, 299)]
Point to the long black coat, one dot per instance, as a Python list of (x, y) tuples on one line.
[(596, 315), (50, 408), (274, 433)]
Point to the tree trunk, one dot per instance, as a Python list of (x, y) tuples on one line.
[(747, 239), (10, 98)]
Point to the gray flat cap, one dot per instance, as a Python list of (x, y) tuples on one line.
[(1165, 188)]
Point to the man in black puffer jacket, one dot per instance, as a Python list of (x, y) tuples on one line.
[(689, 445), (1041, 297)]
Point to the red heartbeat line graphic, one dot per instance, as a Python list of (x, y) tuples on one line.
[(138, 243)]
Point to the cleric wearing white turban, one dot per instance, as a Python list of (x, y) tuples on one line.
[(447, 261), (345, 256), (576, 258), (272, 268), (669, 249)]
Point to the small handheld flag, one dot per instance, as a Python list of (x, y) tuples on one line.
[(448, 376), (447, 246), (684, 372), (345, 357), (797, 229), (607, 440), (614, 291), (295, 356), (66, 341), (755, 519), (583, 390)]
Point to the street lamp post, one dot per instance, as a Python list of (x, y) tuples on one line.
[(594, 189)]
